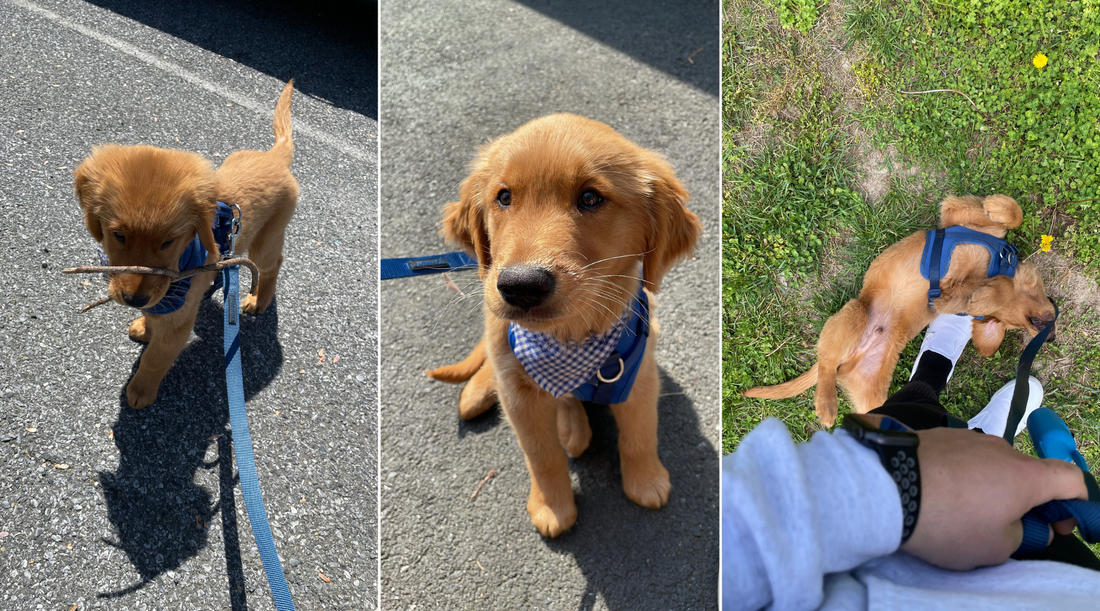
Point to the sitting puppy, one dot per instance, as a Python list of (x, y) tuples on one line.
[(569, 221), (161, 208), (860, 344)]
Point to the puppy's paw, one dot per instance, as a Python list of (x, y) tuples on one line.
[(646, 482), (251, 305), (139, 332), (1003, 210), (573, 430), (551, 521), (476, 399), (140, 394), (825, 405)]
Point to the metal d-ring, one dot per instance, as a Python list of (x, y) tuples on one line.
[(234, 231), (622, 368)]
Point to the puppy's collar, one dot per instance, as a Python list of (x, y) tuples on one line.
[(600, 369), (195, 256), (940, 243)]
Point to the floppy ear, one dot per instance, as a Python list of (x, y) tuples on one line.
[(673, 228), (85, 185), (205, 209), (464, 221), (988, 301), (987, 335)]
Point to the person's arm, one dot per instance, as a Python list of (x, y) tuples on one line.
[(791, 514)]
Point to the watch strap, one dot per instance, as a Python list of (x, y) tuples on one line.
[(902, 465)]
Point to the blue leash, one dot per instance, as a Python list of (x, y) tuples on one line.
[(242, 443), (420, 266)]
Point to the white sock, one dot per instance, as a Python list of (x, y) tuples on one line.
[(947, 335)]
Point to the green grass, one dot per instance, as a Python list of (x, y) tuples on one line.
[(797, 233)]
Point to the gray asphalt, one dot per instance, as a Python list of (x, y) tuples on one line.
[(104, 507), (455, 75)]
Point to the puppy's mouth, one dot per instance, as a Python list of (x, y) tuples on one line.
[(1040, 323), (127, 289)]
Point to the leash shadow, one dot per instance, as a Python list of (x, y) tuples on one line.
[(618, 544), (160, 514)]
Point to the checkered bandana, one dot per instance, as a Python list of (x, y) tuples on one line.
[(560, 367)]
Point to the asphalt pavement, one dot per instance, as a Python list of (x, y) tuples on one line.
[(454, 75), (104, 507)]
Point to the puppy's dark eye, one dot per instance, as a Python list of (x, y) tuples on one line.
[(589, 200), (504, 198), (166, 244), (121, 238)]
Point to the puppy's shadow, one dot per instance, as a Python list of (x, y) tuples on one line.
[(160, 514), (638, 558), (670, 554)]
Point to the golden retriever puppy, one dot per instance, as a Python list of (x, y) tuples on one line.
[(152, 207), (860, 344), (568, 220)]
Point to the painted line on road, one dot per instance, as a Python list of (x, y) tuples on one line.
[(173, 69)]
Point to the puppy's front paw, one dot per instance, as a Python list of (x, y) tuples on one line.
[(551, 521), (250, 305), (139, 332), (140, 394), (646, 482)]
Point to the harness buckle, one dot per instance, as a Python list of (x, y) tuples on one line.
[(622, 368), (933, 295), (234, 231)]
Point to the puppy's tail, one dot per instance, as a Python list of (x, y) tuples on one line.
[(284, 144), (786, 389), (461, 371)]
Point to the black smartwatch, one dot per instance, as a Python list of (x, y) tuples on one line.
[(896, 446)]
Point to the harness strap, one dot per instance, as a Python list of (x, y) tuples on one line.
[(419, 266), (934, 268), (242, 444), (614, 380)]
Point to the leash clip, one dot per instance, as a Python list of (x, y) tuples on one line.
[(234, 231)]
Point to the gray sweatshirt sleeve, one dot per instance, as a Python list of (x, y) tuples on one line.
[(793, 514)]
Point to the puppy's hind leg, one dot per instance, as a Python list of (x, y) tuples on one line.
[(839, 338), (267, 253)]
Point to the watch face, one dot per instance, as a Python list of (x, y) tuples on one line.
[(882, 423), (880, 430)]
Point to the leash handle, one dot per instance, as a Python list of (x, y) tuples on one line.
[(420, 266), (242, 445)]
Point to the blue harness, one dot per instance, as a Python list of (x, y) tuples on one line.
[(195, 256), (615, 378), (939, 243)]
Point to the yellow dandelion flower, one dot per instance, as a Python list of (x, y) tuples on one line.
[(1039, 60), (1047, 241)]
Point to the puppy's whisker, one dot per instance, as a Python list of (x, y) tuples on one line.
[(637, 254)]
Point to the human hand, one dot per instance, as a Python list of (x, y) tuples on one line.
[(976, 488)]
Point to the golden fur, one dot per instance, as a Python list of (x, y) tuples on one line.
[(144, 205), (594, 255), (860, 344)]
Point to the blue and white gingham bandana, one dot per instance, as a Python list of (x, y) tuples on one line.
[(561, 367)]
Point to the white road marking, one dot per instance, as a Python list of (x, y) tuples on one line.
[(166, 66)]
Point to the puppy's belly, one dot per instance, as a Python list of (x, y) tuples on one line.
[(873, 343)]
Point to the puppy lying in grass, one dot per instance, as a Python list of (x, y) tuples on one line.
[(860, 344), (161, 208), (569, 221)]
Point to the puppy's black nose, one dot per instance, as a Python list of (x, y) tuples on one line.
[(135, 300), (524, 286)]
